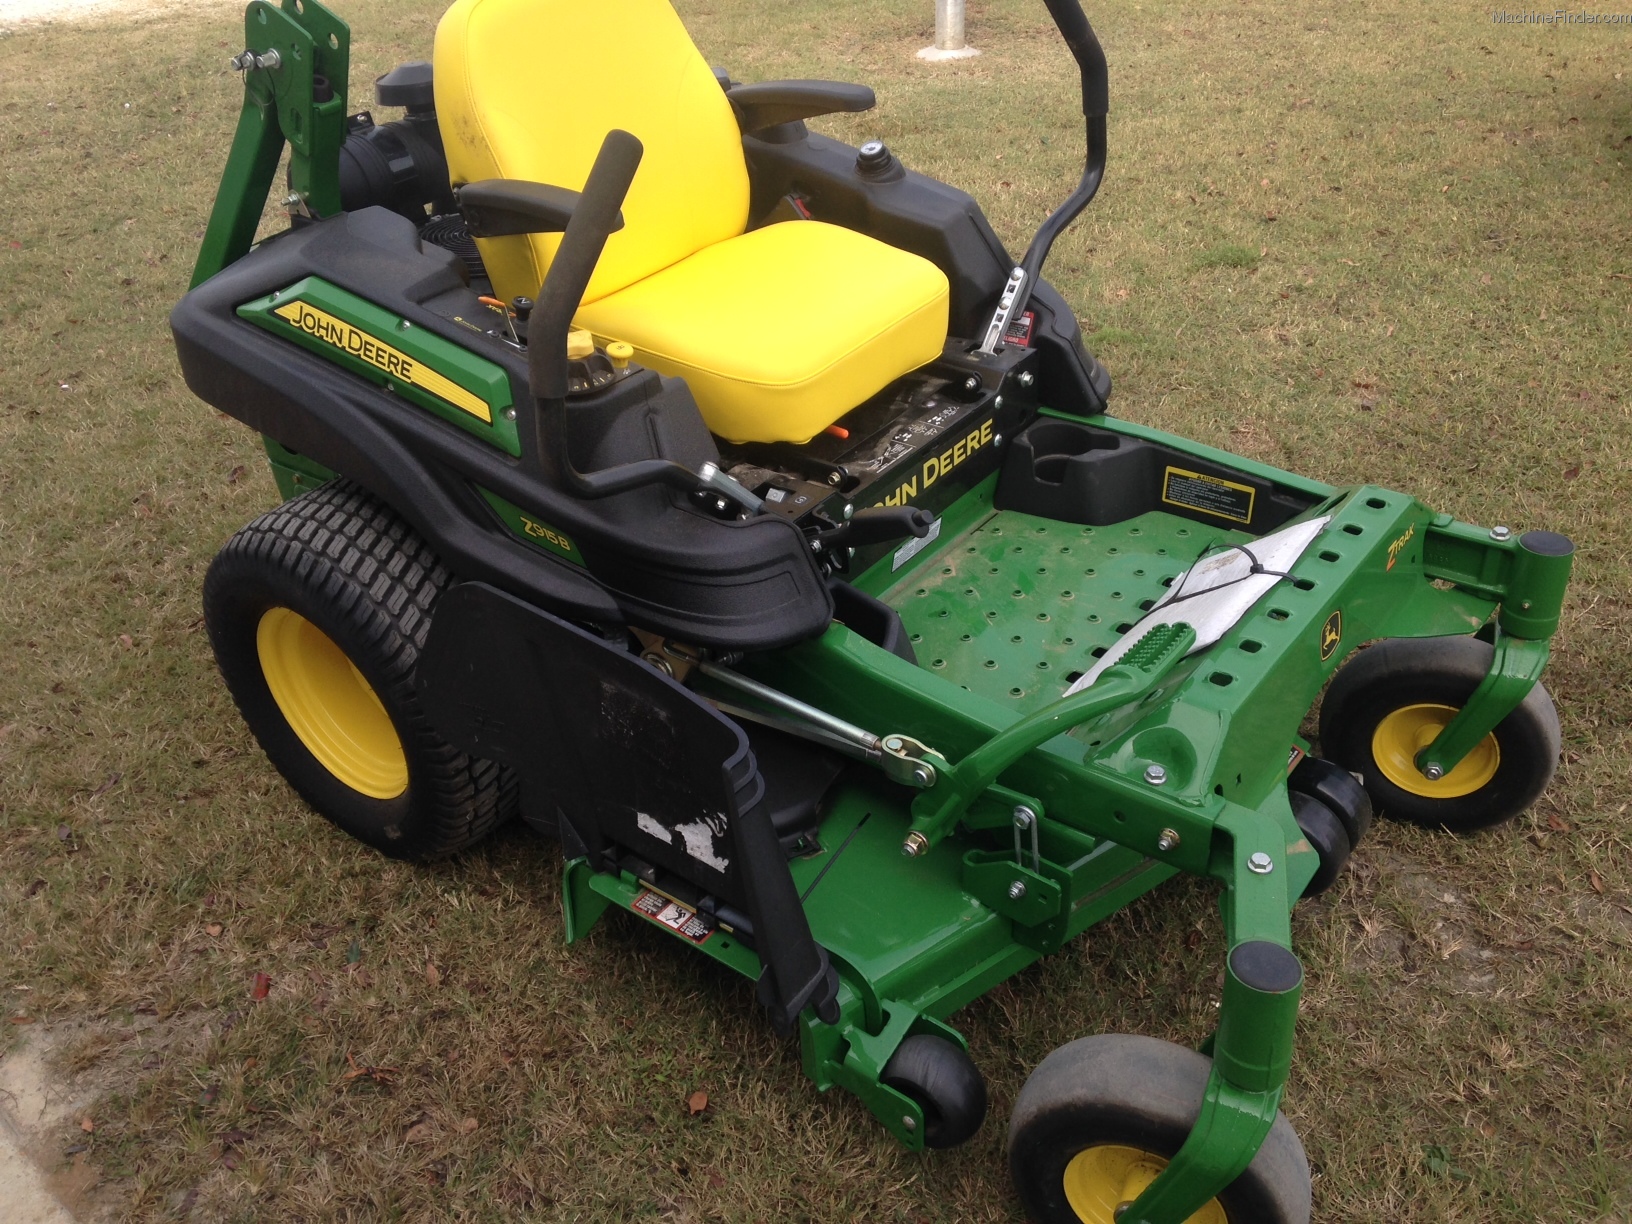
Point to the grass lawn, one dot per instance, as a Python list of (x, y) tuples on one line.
[(1388, 242)]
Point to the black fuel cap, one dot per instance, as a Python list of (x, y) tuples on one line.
[(409, 85), (874, 158)]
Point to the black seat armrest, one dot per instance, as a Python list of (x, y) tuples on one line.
[(769, 104), (498, 208)]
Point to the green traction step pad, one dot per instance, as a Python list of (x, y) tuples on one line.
[(1020, 606)]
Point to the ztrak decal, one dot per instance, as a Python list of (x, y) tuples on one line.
[(937, 466), (1331, 633), (551, 539), (378, 353), (1395, 548)]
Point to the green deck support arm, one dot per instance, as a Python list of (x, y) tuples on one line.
[(1252, 1049), (295, 67), (936, 812), (1513, 673)]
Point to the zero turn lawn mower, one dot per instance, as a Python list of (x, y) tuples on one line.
[(729, 504)]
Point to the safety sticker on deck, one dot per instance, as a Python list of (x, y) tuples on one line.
[(1209, 494), (671, 914)]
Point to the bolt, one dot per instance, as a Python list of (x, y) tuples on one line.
[(1023, 816), (1027, 378), (1017, 890), (915, 845), (1501, 533), (1169, 840), (405, 325), (659, 662), (1156, 775), (920, 775), (893, 743), (971, 383), (509, 414), (998, 402), (997, 441), (849, 510), (907, 1123), (1260, 863), (835, 478), (1433, 771), (292, 200), (1121, 1209)]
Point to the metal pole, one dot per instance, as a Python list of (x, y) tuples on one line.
[(950, 40)]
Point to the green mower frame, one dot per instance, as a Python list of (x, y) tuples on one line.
[(993, 819)]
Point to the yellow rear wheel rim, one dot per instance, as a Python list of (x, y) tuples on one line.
[(1101, 1178), (1407, 731), (329, 705)]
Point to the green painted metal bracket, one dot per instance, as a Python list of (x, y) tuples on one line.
[(851, 1057), (295, 67), (1514, 670), (1526, 574), (581, 903), (1252, 1049), (935, 812), (1227, 1135)]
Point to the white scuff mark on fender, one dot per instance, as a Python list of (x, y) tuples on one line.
[(700, 837), (648, 825)]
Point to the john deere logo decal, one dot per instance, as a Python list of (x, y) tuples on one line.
[(348, 339), (1331, 633)]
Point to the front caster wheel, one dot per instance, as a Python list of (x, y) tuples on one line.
[(1102, 1116), (945, 1082), (1392, 699)]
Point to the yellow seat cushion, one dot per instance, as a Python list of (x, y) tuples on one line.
[(783, 330), (528, 89), (779, 332)]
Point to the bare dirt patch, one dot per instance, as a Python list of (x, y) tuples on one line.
[(54, 1085)]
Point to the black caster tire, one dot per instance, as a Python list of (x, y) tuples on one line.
[(1323, 830), (317, 611), (1338, 789), (944, 1080), (1100, 1117), (1389, 702)]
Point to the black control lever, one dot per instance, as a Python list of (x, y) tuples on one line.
[(1096, 104), (878, 525)]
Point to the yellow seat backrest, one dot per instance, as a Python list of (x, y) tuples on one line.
[(527, 89)]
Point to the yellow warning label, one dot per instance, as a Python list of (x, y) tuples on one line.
[(359, 344), (1213, 495)]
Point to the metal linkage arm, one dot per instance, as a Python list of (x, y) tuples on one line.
[(935, 813)]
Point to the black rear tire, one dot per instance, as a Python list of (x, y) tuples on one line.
[(1104, 1095), (331, 593), (1362, 715)]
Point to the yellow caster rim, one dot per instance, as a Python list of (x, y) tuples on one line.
[(330, 706), (1100, 1179), (1407, 731)]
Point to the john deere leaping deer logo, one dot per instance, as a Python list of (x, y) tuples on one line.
[(1331, 633)]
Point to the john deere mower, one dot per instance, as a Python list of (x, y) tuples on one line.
[(729, 504)]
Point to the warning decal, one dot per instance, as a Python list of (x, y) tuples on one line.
[(676, 917), (1210, 495)]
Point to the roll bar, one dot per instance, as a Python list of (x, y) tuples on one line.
[(1096, 104)]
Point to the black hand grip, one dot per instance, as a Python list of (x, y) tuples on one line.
[(593, 221), (1085, 49)]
